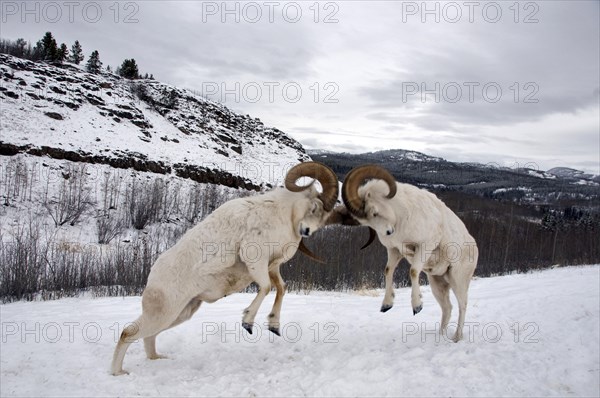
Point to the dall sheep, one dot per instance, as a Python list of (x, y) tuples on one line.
[(244, 240), (415, 224)]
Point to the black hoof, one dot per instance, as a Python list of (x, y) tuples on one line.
[(385, 307), (275, 331), (247, 326), (418, 309)]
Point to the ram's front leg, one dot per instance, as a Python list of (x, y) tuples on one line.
[(420, 258), (279, 284), (259, 271), (394, 258)]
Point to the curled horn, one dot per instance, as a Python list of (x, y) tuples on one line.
[(372, 235), (302, 247), (355, 178), (319, 172)]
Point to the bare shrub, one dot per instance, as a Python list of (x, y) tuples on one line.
[(170, 201), (128, 265), (73, 199), (109, 224), (144, 201), (192, 209), (22, 260), (111, 186), (15, 181), (210, 200)]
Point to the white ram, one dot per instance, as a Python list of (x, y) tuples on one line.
[(244, 240), (415, 224)]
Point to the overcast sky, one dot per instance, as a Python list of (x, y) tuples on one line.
[(511, 83)]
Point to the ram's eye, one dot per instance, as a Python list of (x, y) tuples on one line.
[(375, 214)]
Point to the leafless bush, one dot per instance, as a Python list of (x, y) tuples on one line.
[(169, 235), (73, 199), (22, 260), (111, 189), (69, 268), (211, 199), (170, 201), (192, 208), (203, 199), (109, 224), (34, 268), (144, 202), (127, 265), (16, 181)]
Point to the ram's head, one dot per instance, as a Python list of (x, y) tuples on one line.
[(366, 193), (312, 213)]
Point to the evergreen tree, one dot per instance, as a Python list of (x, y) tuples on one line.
[(20, 47), (108, 69), (93, 64), (76, 53), (129, 69), (16, 48), (49, 48), (37, 53), (62, 54)]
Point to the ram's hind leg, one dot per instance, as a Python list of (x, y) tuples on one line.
[(153, 320), (460, 278), (441, 291), (259, 271), (186, 313)]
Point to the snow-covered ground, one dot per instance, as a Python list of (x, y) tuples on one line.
[(527, 335)]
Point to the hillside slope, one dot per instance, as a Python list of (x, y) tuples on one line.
[(65, 113)]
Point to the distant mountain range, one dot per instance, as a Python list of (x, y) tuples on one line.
[(572, 174), (525, 184)]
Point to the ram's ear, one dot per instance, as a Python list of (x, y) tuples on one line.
[(341, 216), (315, 207)]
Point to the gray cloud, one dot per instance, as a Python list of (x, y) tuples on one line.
[(371, 54), (554, 63)]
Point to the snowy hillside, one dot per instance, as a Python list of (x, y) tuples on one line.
[(577, 175), (66, 113), (42, 190), (385, 155), (533, 334)]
